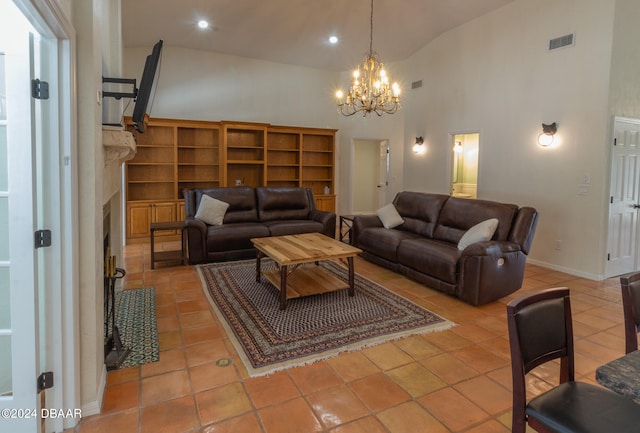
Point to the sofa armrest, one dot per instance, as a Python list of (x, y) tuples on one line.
[(327, 219), (491, 248), (489, 271), (362, 222), (196, 240)]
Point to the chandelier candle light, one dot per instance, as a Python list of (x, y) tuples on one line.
[(370, 90)]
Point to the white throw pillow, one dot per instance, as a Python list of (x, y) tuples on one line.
[(480, 232), (211, 210), (389, 216)]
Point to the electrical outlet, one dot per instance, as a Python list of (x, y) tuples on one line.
[(238, 182), (557, 245)]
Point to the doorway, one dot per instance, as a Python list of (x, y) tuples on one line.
[(464, 170), (624, 198), (370, 171)]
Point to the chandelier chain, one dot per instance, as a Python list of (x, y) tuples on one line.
[(371, 30)]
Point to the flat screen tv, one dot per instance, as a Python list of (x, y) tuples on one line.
[(146, 85)]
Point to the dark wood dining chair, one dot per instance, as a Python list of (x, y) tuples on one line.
[(630, 286), (540, 330)]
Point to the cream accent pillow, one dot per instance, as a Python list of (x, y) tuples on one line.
[(389, 216), (480, 232), (211, 210)]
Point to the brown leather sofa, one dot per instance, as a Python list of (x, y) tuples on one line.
[(425, 246), (252, 213)]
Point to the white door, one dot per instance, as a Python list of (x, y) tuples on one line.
[(19, 355), (369, 175), (383, 173), (624, 199)]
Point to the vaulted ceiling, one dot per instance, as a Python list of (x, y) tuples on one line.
[(296, 31)]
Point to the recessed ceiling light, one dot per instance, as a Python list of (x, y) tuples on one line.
[(333, 39), (203, 24)]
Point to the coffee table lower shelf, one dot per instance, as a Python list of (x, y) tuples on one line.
[(306, 280)]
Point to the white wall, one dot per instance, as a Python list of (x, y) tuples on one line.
[(88, 21), (494, 75), (200, 85), (625, 84)]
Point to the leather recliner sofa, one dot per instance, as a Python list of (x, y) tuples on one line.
[(252, 213), (425, 246)]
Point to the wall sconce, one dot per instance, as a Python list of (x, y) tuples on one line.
[(457, 148), (419, 147), (546, 138)]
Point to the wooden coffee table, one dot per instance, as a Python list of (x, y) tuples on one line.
[(292, 251)]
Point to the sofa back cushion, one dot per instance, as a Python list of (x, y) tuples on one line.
[(523, 228), (282, 203), (419, 210), (241, 200), (460, 214)]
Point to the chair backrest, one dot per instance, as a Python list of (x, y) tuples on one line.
[(630, 286), (540, 330)]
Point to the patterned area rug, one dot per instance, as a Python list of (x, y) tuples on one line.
[(311, 328), (136, 321)]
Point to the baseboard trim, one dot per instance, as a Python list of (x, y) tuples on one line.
[(587, 275), (95, 407)]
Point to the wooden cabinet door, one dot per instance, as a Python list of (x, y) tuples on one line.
[(326, 203), (141, 215), (163, 212), (138, 220)]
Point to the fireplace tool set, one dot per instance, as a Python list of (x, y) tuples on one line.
[(114, 352)]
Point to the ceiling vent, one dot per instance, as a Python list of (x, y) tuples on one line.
[(562, 41), (416, 84)]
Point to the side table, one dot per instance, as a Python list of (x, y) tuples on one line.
[(168, 256), (346, 228)]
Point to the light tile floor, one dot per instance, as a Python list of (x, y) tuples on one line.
[(457, 380)]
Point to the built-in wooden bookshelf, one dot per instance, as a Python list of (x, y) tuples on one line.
[(151, 173), (173, 155), (317, 162), (170, 156), (244, 153), (198, 156), (283, 157)]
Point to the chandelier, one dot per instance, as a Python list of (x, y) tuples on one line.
[(370, 90)]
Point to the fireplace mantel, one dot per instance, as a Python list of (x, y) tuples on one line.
[(118, 144)]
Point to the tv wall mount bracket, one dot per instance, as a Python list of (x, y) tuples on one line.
[(119, 95)]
